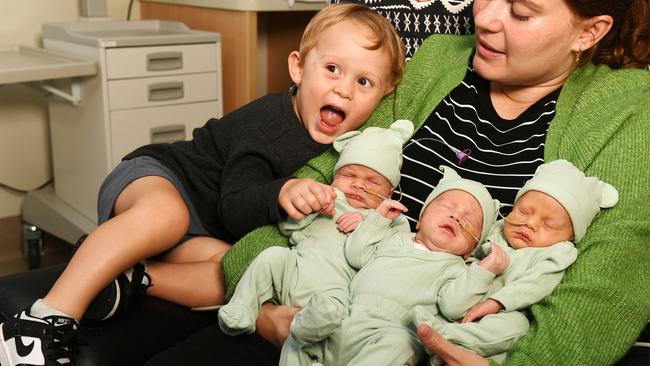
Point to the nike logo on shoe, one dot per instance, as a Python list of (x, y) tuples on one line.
[(25, 338), (61, 322), (25, 355), (21, 349)]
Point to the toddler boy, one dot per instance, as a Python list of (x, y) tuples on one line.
[(187, 200)]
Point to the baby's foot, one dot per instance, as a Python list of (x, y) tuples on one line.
[(318, 319), (236, 319)]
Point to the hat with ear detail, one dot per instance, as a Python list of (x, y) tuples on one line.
[(379, 149), (451, 180), (581, 196)]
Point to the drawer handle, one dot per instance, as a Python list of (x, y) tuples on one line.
[(166, 91), (161, 61), (166, 134)]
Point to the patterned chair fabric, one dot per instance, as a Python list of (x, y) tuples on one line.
[(415, 20)]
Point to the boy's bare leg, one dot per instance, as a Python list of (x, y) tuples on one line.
[(190, 274), (150, 217)]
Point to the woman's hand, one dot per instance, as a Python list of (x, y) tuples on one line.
[(450, 353), (487, 307), (273, 322)]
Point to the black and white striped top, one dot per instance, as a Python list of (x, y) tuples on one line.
[(504, 153)]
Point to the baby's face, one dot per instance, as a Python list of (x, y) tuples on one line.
[(355, 180), (439, 229), (340, 81), (537, 220)]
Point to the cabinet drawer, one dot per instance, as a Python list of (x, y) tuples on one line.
[(134, 128), (151, 92), (161, 60)]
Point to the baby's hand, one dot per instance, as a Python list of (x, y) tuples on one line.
[(349, 221), (495, 262), (487, 307), (300, 197), (390, 209)]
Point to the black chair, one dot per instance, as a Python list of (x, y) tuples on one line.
[(146, 329)]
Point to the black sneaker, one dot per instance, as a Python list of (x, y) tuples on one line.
[(27, 340), (113, 299)]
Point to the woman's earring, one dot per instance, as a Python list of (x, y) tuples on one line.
[(578, 54)]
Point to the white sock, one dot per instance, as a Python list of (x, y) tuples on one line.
[(40, 310)]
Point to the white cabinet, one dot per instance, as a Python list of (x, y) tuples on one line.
[(141, 94)]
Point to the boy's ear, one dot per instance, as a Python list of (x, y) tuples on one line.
[(295, 67)]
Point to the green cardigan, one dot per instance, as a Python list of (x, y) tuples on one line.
[(602, 125)]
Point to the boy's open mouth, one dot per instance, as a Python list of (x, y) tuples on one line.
[(331, 116)]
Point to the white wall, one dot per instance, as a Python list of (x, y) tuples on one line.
[(25, 160)]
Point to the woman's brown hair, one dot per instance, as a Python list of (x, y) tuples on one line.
[(627, 44)]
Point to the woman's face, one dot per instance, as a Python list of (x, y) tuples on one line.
[(525, 42)]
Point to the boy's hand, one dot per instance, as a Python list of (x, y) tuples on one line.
[(495, 262), (487, 307), (349, 221), (300, 197), (390, 209)]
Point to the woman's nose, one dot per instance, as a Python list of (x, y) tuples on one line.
[(488, 15)]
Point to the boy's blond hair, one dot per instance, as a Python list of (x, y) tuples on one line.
[(385, 35)]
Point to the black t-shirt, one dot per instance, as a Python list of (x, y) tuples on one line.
[(504, 153), (234, 167)]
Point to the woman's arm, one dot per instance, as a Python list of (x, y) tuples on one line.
[(450, 353), (602, 304), (273, 322)]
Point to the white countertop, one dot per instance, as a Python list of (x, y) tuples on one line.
[(250, 5), (21, 64)]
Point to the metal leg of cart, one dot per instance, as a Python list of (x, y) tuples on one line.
[(43, 211)]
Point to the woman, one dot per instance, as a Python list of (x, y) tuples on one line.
[(523, 91)]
